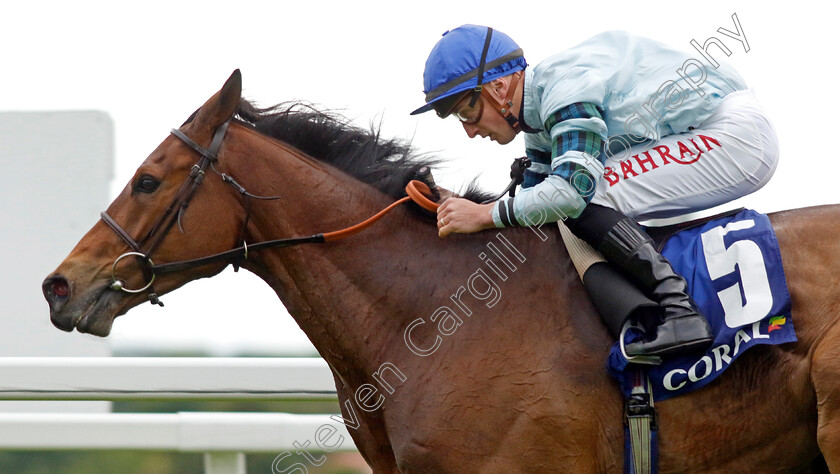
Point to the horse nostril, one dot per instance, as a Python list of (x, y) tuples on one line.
[(56, 289)]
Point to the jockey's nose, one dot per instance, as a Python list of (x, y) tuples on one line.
[(471, 129)]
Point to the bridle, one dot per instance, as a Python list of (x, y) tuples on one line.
[(417, 191), (173, 213)]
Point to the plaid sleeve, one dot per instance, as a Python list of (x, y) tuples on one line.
[(576, 139), (539, 169)]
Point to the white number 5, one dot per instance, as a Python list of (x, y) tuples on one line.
[(747, 256)]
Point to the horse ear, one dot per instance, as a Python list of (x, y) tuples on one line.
[(223, 104)]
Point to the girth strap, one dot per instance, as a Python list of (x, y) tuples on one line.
[(640, 445)]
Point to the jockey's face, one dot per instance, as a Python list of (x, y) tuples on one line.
[(482, 118)]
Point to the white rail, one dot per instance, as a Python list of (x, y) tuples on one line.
[(223, 437), (185, 431), (156, 378)]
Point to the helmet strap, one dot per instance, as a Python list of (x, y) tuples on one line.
[(480, 71), (505, 109)]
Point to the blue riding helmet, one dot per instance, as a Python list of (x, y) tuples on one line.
[(462, 55)]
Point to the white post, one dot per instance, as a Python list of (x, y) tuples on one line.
[(224, 463), (56, 170)]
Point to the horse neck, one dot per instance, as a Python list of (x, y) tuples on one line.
[(342, 294)]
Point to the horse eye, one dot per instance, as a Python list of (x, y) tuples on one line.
[(146, 184)]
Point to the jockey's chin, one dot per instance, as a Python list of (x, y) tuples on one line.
[(503, 139), (502, 136)]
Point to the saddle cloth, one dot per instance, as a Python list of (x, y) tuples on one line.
[(734, 272)]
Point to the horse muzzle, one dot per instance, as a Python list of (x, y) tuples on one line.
[(91, 312)]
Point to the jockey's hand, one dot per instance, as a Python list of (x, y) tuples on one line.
[(463, 216)]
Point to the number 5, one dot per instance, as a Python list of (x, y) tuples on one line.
[(746, 254)]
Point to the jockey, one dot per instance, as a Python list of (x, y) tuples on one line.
[(618, 129)]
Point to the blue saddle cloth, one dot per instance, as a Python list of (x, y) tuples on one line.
[(734, 272)]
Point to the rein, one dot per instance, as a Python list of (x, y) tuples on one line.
[(417, 191)]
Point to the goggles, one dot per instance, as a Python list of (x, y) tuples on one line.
[(465, 111)]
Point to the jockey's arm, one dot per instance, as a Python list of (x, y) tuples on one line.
[(565, 187)]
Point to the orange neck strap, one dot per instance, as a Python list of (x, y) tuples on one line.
[(417, 191)]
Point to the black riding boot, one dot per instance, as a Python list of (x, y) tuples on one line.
[(683, 329)]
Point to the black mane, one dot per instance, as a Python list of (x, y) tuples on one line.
[(386, 164)]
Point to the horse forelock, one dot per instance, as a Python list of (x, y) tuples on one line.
[(386, 164)]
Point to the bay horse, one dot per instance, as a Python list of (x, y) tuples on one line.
[(473, 353)]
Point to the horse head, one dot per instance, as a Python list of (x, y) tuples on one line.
[(150, 221), (183, 205)]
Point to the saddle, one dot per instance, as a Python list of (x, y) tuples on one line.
[(661, 234)]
